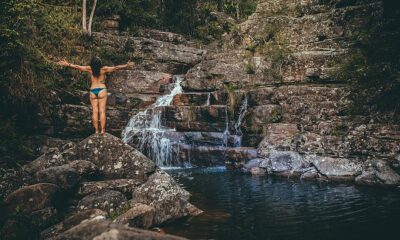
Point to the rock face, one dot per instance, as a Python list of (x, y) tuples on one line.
[(116, 182)]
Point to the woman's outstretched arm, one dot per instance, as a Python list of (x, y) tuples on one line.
[(81, 68), (118, 67)]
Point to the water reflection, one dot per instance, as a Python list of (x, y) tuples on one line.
[(239, 206)]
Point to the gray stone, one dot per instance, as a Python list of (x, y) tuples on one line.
[(51, 158), (168, 199), (115, 159), (63, 176), (336, 168), (32, 198), (125, 186), (74, 220), (378, 172), (139, 215), (109, 201)]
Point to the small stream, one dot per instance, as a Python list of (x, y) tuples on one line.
[(240, 206)]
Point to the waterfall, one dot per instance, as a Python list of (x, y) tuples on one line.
[(208, 99), (226, 132), (147, 130), (238, 123), (242, 112)]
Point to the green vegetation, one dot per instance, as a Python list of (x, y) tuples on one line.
[(32, 35), (276, 115), (250, 69)]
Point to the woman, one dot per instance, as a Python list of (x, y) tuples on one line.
[(98, 90)]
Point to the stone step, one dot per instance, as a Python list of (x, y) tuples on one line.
[(214, 156), (195, 118), (201, 99)]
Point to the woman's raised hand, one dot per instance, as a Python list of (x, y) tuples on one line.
[(129, 64), (63, 63)]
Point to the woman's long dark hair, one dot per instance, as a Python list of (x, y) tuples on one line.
[(96, 65)]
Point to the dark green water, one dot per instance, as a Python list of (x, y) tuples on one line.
[(239, 206)]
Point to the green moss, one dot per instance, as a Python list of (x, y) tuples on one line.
[(276, 115), (121, 210), (250, 69)]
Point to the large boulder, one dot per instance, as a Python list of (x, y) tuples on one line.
[(26, 226), (166, 196), (84, 168), (139, 215), (63, 176), (32, 198), (107, 230), (72, 221), (110, 201), (114, 158), (336, 168), (51, 158), (378, 172), (286, 163), (125, 186)]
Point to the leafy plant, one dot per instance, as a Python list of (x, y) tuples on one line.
[(250, 69)]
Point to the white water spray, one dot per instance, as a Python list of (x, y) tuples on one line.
[(151, 135)]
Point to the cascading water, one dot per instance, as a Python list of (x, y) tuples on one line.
[(208, 99), (146, 129), (242, 112)]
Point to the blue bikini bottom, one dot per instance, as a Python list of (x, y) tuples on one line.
[(96, 91)]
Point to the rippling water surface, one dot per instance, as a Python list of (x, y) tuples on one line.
[(239, 206)]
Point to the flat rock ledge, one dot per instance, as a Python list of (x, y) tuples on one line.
[(99, 188)]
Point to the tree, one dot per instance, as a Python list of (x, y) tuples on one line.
[(84, 16), (91, 17), (87, 27)]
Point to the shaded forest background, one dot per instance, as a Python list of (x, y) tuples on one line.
[(35, 33)]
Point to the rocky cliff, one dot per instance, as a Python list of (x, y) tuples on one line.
[(269, 91)]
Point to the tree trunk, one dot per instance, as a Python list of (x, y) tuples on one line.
[(91, 17), (220, 5), (84, 16), (238, 10)]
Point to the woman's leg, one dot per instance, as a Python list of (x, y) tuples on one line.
[(102, 109), (95, 111)]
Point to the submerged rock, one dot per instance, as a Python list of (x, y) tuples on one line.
[(107, 230)]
